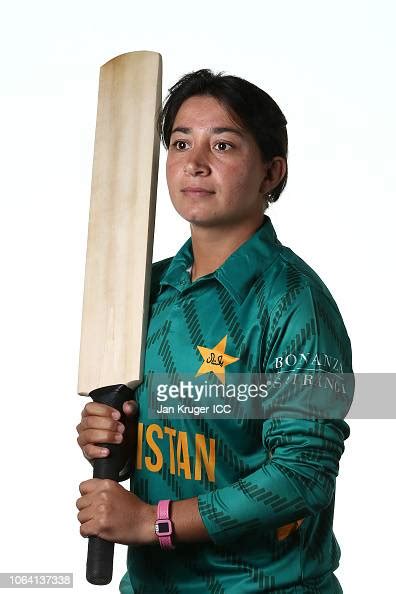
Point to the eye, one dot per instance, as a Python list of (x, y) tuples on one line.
[(180, 145), (223, 146)]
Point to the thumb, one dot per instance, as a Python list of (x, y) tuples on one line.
[(130, 408)]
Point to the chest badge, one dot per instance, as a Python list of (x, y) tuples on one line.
[(215, 359)]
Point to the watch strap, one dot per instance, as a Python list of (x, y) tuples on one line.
[(163, 515)]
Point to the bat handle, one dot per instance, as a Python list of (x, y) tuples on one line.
[(100, 552)]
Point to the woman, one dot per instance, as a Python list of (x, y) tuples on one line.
[(246, 506)]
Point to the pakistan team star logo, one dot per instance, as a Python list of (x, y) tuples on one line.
[(215, 359)]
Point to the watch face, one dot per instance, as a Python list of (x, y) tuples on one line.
[(163, 527)]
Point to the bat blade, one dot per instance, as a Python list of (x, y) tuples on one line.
[(119, 251), (121, 222)]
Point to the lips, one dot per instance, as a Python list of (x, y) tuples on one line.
[(196, 191)]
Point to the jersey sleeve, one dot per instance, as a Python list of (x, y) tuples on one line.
[(305, 334)]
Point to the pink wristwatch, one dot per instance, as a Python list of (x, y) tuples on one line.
[(163, 525)]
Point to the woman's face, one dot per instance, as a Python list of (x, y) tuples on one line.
[(214, 169)]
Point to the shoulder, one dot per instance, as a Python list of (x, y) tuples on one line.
[(159, 268), (158, 271), (293, 281), (304, 316)]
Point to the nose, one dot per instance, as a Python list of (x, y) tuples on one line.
[(197, 162)]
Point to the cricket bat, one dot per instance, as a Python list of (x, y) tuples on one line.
[(119, 251)]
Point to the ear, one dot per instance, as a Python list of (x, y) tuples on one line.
[(275, 172)]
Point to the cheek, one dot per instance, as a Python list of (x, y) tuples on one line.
[(168, 169), (238, 182), (170, 174)]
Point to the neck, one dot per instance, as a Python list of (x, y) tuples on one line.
[(212, 245)]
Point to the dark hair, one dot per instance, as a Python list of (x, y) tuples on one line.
[(256, 110)]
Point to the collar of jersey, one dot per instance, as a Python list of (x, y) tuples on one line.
[(237, 273)]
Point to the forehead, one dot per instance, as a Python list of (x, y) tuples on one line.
[(202, 111)]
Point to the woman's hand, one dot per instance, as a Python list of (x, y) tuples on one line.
[(111, 512), (100, 424)]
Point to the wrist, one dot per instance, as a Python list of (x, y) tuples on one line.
[(149, 517)]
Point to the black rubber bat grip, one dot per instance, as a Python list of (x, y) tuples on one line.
[(101, 552)]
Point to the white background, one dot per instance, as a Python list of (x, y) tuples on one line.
[(330, 66)]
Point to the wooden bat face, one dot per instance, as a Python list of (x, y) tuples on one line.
[(121, 222)]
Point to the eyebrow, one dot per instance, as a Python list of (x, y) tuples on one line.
[(211, 130)]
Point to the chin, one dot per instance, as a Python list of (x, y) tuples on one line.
[(206, 222), (196, 217)]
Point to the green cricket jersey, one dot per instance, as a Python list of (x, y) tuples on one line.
[(266, 486)]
